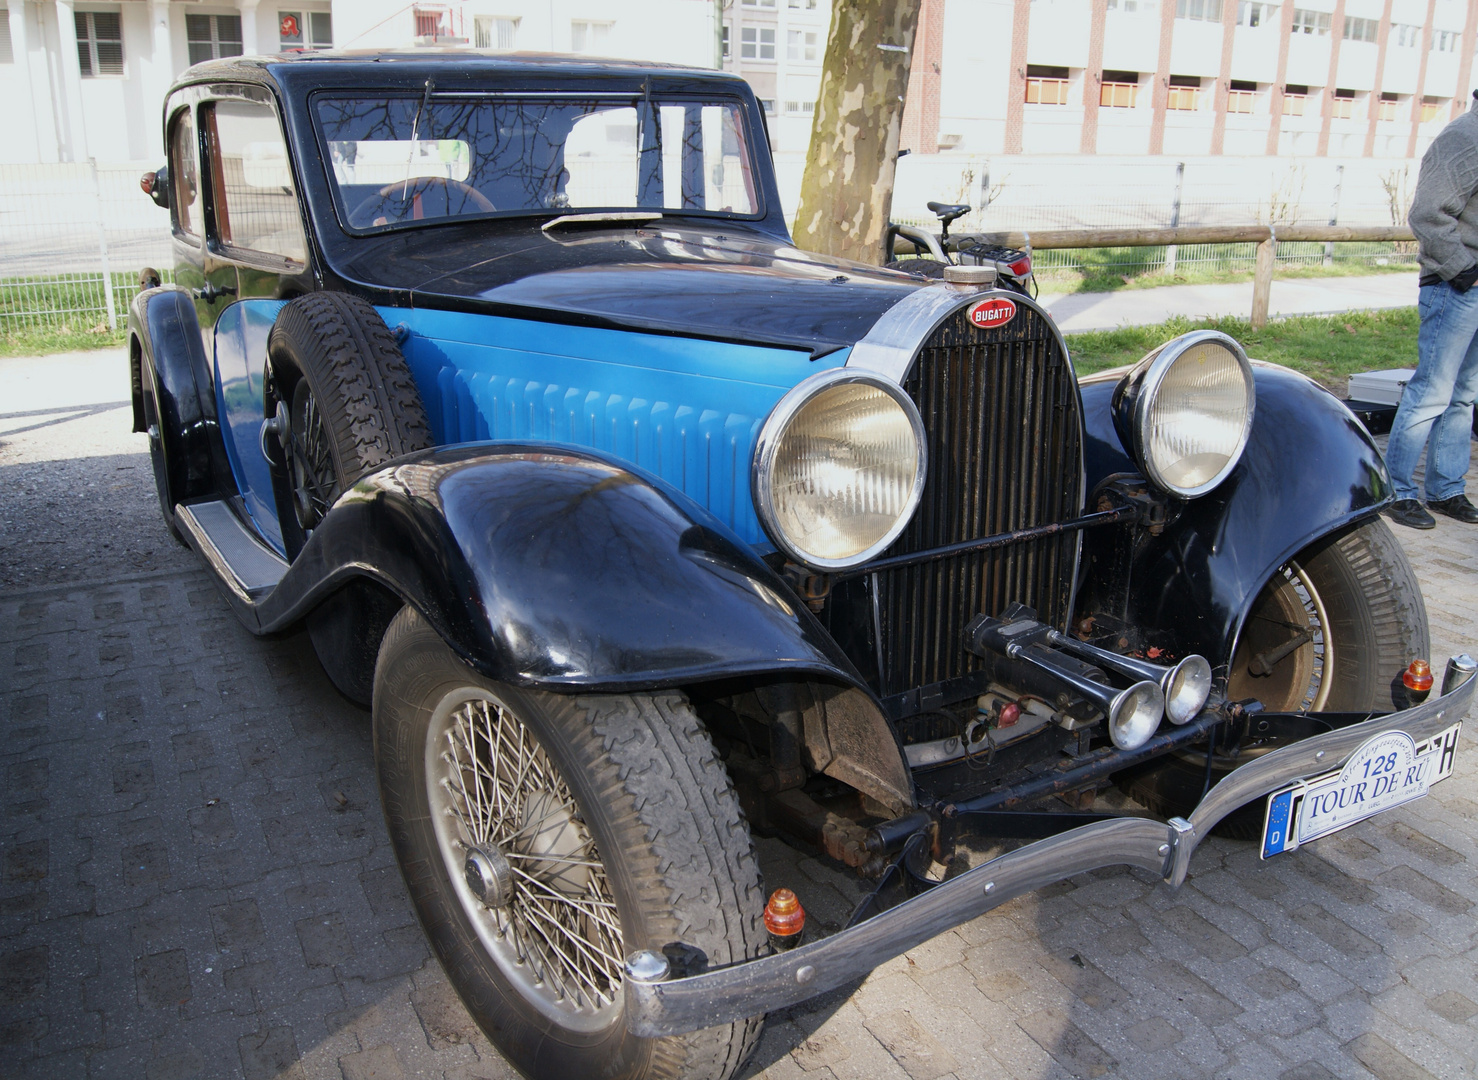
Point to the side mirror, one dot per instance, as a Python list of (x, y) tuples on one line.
[(156, 186)]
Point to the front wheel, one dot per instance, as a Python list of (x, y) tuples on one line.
[(544, 837), (1332, 631)]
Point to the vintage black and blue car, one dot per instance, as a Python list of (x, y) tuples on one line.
[(640, 529)]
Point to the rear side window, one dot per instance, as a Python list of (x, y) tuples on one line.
[(256, 207), (184, 176)]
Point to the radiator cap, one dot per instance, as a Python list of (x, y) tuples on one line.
[(979, 277)]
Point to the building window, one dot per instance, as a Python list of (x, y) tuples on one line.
[(726, 41), (211, 37), (1046, 85), (99, 42), (495, 32), (1242, 96), (7, 54), (1310, 22), (757, 43), (799, 108), (1444, 40), (1127, 6), (1361, 29), (809, 5), (1344, 105), (800, 44), (1251, 13), (296, 31), (1294, 98), (589, 36), (1388, 106), (768, 104), (1432, 108), (1185, 92), (1198, 10), (1406, 35), (1119, 89), (759, 3)]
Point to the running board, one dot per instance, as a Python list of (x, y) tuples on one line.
[(246, 568)]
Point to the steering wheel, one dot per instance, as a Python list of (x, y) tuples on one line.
[(400, 196)]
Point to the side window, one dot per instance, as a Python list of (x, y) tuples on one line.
[(254, 204), (184, 163)]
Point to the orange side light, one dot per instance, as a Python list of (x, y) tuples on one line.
[(1418, 677), (784, 916)]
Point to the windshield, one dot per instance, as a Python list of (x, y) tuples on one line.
[(402, 160)]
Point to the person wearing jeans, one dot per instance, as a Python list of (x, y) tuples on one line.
[(1437, 406)]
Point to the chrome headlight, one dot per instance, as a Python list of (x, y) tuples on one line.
[(1186, 410), (839, 468)]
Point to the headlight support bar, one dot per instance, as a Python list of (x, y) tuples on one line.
[(1116, 516)]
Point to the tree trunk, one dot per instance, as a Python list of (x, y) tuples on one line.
[(847, 190)]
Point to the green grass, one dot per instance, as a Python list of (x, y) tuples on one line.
[(1327, 348), (49, 314), (1111, 269)]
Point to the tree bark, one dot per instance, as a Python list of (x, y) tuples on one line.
[(847, 190)]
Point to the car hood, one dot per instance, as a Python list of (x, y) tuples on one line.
[(737, 287)]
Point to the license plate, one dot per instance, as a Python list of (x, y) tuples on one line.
[(1387, 770)]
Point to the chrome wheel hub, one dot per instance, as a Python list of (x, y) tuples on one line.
[(522, 861), (489, 876)]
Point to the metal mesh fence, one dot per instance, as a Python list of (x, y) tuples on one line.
[(73, 238)]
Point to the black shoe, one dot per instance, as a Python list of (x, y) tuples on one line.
[(1412, 514), (1457, 507)]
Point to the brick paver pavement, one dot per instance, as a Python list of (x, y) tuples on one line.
[(196, 882)]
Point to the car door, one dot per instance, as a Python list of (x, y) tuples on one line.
[(256, 258)]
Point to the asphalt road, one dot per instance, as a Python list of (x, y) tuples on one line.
[(195, 879)]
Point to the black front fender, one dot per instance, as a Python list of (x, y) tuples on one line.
[(1310, 468), (560, 567)]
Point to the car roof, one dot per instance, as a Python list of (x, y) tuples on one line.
[(303, 70)]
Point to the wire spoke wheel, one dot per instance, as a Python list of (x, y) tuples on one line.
[(522, 860), (315, 481), (543, 837), (1286, 654)]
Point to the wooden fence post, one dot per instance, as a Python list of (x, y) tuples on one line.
[(1262, 281)]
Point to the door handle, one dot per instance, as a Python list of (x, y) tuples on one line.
[(211, 293)]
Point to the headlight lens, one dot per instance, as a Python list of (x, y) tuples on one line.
[(839, 468), (1188, 410)]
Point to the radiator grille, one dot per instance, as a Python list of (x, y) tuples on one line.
[(1000, 408)]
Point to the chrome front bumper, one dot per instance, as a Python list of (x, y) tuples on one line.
[(670, 1007)]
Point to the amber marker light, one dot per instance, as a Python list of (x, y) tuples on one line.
[(1418, 678), (784, 918)]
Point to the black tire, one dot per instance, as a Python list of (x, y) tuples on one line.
[(1360, 589), (653, 810), (931, 269), (348, 397)]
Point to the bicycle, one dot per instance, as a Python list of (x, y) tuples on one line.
[(933, 253)]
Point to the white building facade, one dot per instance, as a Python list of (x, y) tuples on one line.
[(1240, 78), (1326, 78), (84, 80)]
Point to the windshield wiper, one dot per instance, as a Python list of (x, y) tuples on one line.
[(601, 218)]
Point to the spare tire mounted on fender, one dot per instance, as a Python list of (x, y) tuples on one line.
[(345, 404)]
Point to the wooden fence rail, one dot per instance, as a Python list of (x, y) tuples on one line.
[(1265, 237)]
